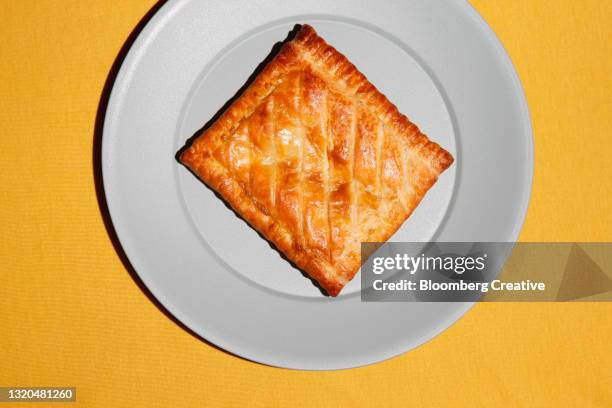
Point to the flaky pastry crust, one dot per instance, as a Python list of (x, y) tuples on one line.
[(316, 159)]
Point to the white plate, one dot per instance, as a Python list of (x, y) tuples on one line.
[(437, 61)]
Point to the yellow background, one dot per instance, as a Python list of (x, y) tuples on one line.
[(71, 314)]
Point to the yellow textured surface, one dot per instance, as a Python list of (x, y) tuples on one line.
[(72, 315)]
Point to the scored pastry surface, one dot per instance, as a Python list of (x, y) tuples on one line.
[(316, 159)]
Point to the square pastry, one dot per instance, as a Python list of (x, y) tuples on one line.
[(317, 160)]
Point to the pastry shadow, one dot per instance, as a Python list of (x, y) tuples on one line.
[(273, 52), (98, 181)]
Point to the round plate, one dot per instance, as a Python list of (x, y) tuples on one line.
[(437, 61)]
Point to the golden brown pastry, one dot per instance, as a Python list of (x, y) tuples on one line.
[(314, 157)]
